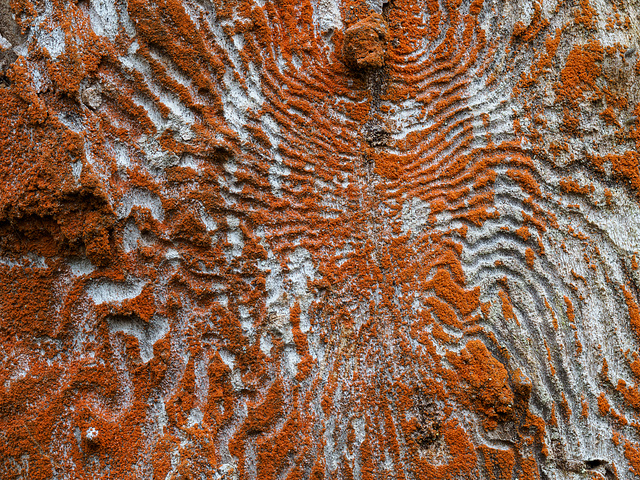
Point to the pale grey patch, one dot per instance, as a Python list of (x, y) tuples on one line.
[(130, 237), (234, 237), (53, 42), (144, 199), (415, 214), (327, 15), (4, 43), (103, 291), (266, 344), (76, 169), (156, 156), (146, 333), (104, 18), (80, 266)]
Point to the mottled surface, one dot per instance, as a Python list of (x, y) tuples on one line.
[(338, 239)]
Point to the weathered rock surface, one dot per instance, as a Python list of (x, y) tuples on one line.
[(244, 239), (365, 43)]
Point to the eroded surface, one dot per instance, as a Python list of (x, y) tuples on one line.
[(319, 239)]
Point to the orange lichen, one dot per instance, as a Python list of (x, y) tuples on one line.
[(487, 379), (507, 308), (609, 117), (579, 74), (571, 186), (248, 251), (634, 310), (365, 43)]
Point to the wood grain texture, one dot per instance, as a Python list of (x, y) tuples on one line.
[(308, 239)]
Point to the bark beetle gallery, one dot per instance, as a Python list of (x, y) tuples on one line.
[(307, 239)]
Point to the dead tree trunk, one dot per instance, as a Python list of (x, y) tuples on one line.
[(307, 239)]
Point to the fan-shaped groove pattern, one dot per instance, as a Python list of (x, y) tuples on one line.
[(230, 251)]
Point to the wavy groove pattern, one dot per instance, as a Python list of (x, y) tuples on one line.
[(228, 252)]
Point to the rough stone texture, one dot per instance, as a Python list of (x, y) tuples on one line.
[(246, 239), (365, 43)]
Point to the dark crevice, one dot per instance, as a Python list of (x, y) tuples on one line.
[(386, 6), (591, 464), (602, 467)]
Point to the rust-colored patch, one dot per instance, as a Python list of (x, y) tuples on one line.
[(302, 239)]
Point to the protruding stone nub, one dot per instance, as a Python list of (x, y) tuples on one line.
[(365, 43), (92, 97)]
